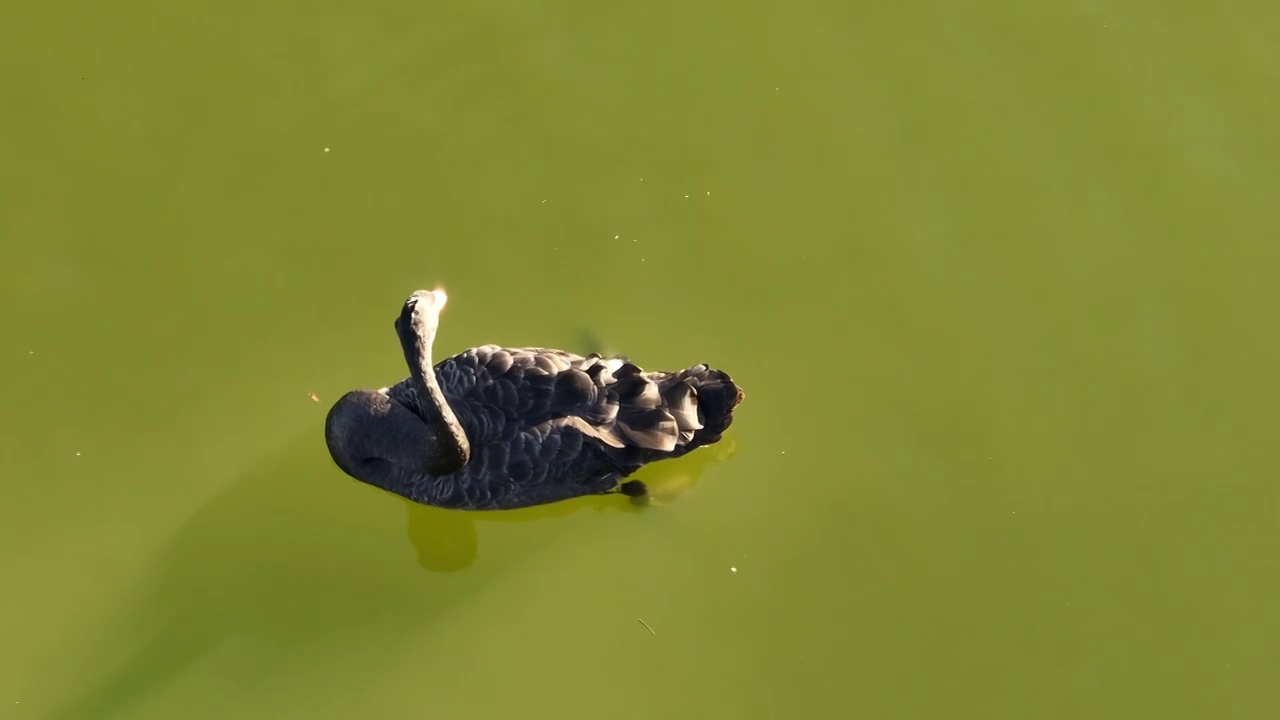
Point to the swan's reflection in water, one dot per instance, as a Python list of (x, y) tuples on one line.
[(448, 541)]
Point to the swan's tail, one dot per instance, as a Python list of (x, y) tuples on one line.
[(667, 414), (716, 398)]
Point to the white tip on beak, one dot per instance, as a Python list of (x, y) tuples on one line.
[(431, 301)]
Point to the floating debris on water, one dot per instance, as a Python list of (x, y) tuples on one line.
[(646, 626), (326, 149), (314, 397), (733, 569)]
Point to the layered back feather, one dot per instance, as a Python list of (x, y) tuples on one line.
[(630, 416)]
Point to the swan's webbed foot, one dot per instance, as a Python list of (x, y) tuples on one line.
[(633, 488)]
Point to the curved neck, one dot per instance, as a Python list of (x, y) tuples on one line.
[(448, 443)]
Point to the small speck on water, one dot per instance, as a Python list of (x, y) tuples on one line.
[(544, 202), (733, 569), (615, 237), (646, 626), (686, 196), (77, 454), (708, 192), (326, 149)]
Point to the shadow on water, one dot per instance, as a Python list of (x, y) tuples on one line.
[(288, 555)]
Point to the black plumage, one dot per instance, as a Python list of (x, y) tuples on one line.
[(496, 428)]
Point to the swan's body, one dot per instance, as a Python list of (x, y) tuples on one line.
[(495, 428)]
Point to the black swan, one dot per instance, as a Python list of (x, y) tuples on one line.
[(495, 428)]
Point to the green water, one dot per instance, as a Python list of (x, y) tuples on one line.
[(998, 279)]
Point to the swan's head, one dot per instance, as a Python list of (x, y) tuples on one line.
[(422, 310)]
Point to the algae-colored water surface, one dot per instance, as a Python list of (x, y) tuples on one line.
[(998, 280)]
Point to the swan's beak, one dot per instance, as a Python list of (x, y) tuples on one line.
[(422, 310), (434, 300), (430, 302)]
